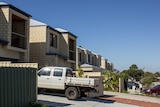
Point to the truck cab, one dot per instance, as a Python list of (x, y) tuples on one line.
[(53, 77)]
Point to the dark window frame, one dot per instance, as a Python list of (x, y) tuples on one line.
[(18, 37), (53, 40)]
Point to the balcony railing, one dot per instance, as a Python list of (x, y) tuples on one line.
[(71, 55), (18, 40)]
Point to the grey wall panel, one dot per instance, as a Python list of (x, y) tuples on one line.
[(18, 86)]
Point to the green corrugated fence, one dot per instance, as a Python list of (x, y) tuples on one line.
[(18, 86)]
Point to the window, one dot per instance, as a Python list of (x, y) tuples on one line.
[(58, 72), (71, 44), (88, 58), (69, 73), (71, 49), (93, 60), (44, 72), (80, 57), (18, 37), (53, 40)]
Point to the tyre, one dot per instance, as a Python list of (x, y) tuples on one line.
[(154, 94), (71, 93)]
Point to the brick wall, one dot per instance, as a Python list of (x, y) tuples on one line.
[(4, 16), (5, 34), (38, 47)]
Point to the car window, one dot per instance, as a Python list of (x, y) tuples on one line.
[(44, 72), (58, 72), (157, 86), (69, 73)]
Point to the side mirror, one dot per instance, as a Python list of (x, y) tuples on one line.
[(39, 75)]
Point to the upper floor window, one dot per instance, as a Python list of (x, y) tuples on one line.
[(88, 58), (71, 49), (71, 44), (93, 60), (80, 57), (53, 40), (18, 38)]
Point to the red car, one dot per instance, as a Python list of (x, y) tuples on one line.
[(154, 91)]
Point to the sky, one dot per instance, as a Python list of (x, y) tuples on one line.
[(125, 32)]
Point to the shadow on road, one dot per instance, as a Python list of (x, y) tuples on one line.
[(53, 93), (53, 104), (83, 99), (107, 96)]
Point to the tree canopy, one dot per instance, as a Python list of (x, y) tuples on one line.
[(134, 73), (111, 80)]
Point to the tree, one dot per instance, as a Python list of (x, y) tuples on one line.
[(111, 80), (80, 72), (134, 73), (157, 73), (148, 78)]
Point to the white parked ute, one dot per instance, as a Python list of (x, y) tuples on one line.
[(61, 78)]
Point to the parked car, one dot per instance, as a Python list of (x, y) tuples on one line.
[(61, 78), (154, 91), (130, 84)]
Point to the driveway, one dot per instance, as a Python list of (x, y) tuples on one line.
[(58, 100)]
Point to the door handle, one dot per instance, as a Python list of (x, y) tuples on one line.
[(59, 79), (47, 78)]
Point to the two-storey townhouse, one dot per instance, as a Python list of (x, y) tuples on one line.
[(68, 46), (87, 60), (83, 56), (96, 59), (14, 34), (110, 66), (50, 47), (104, 64)]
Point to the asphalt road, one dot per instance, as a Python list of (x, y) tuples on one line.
[(59, 100)]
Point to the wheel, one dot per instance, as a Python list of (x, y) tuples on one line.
[(71, 93), (154, 94)]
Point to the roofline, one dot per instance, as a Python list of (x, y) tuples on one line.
[(63, 31), (15, 8), (80, 47), (54, 29), (37, 25), (69, 33), (47, 27)]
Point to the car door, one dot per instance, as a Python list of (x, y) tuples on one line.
[(44, 80), (57, 79)]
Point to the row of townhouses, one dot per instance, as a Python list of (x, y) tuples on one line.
[(23, 39)]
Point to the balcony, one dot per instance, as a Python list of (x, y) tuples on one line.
[(18, 40), (71, 55)]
